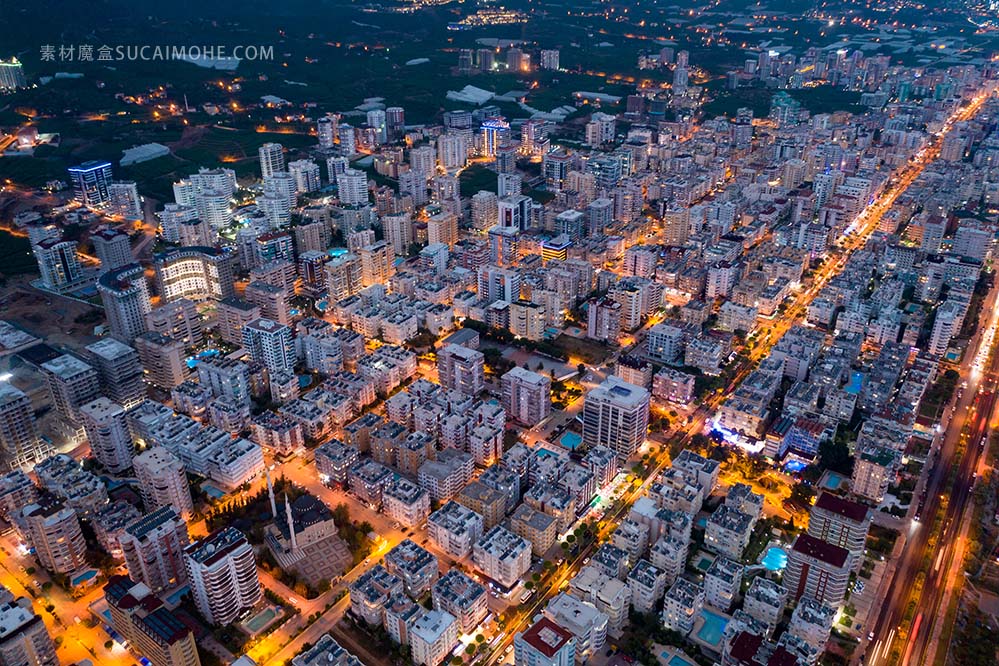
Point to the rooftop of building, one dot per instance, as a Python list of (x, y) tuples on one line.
[(820, 550), (547, 637), (849, 509)]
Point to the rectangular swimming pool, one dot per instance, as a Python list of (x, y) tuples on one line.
[(833, 481), (570, 440), (713, 629)]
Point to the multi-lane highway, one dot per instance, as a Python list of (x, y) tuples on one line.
[(929, 557), (891, 640)]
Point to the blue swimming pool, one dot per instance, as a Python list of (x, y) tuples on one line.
[(570, 440), (856, 384), (256, 623), (713, 629), (775, 559), (193, 361), (795, 466), (84, 577), (212, 491), (833, 481), (177, 595), (675, 660)]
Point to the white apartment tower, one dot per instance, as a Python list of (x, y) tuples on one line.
[(125, 295), (153, 547), (616, 415), (271, 159), (113, 249), (526, 396), (270, 343), (163, 481), (19, 437), (72, 384), (222, 573), (461, 369), (53, 530), (24, 639), (352, 187), (305, 173), (120, 371), (107, 431)]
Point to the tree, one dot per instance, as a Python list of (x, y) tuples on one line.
[(802, 494), (834, 454)]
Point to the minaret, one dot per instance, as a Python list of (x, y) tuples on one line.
[(291, 523), (270, 491)]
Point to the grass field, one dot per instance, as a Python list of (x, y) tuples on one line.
[(30, 171), (823, 99), (477, 177), (15, 255), (589, 351)]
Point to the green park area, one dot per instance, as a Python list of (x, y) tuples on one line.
[(821, 99)]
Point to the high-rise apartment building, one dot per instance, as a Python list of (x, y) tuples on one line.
[(817, 569), (125, 200), (179, 320), (352, 187), (616, 415), (23, 636), (12, 75), (526, 396), (270, 343), (153, 547), (461, 369), (162, 359), (326, 132), (222, 573), (125, 295), (53, 530), (228, 379), (376, 263), (163, 481), (107, 431), (544, 644), (20, 441), (271, 159), (841, 522), (58, 263), (398, 229), (195, 273), (120, 370), (91, 183), (305, 173), (150, 628), (113, 248), (72, 384)]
